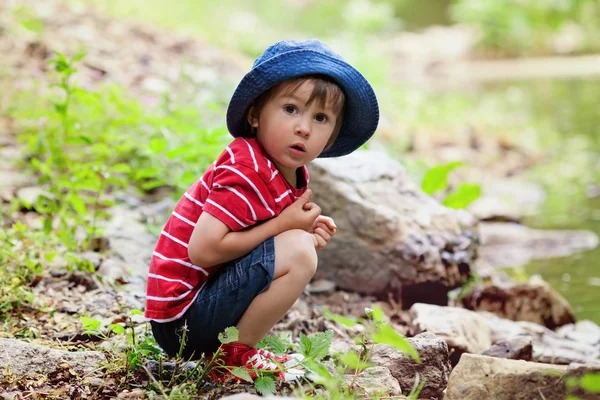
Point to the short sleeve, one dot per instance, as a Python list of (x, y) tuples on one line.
[(239, 197)]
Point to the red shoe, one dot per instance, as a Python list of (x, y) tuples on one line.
[(271, 356), (241, 355)]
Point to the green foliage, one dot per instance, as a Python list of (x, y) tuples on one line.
[(276, 344), (526, 27), (464, 195), (265, 385), (24, 255), (230, 335), (95, 143), (436, 180), (375, 329), (316, 346), (588, 383)]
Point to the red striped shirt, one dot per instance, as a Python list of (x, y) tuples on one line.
[(240, 188)]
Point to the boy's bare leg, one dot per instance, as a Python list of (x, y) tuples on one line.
[(295, 265)]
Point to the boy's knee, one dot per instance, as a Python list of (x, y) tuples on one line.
[(301, 253)]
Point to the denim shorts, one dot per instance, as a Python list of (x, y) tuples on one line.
[(220, 304)]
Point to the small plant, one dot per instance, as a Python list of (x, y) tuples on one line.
[(586, 384), (436, 180)]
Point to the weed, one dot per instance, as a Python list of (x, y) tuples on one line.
[(436, 180)]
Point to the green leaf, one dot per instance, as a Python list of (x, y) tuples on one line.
[(591, 382), (272, 343), (78, 204), (157, 145), (135, 311), (116, 328), (316, 346), (387, 335), (242, 373), (436, 179), (464, 195), (122, 168), (349, 322), (318, 373), (47, 224), (78, 57), (90, 324), (352, 360), (230, 334), (265, 385)]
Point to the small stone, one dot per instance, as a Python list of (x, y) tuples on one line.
[(136, 393), (321, 286), (94, 258), (29, 195), (376, 382), (519, 348)]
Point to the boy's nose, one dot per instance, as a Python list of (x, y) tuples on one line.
[(303, 129)]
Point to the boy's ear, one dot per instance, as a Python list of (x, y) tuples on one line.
[(251, 120)]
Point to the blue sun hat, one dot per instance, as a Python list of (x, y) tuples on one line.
[(290, 59)]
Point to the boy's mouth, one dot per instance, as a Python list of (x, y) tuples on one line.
[(298, 146)]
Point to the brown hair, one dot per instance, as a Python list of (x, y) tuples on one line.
[(324, 88)]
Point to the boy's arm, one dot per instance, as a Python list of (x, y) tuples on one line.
[(212, 242)]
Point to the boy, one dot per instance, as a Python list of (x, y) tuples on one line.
[(240, 245)]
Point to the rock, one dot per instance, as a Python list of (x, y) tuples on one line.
[(518, 348), (30, 194), (113, 269), (376, 382), (11, 181), (514, 245), (463, 330), (392, 238), (548, 346), (433, 370), (94, 258), (321, 286), (136, 393), (478, 377), (534, 301), (584, 331), (22, 358), (132, 247)]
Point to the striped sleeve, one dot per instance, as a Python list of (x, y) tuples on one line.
[(239, 197)]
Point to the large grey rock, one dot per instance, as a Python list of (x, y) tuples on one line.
[(478, 377), (22, 358), (548, 346), (433, 370), (463, 330), (376, 381), (513, 245), (392, 238), (534, 301)]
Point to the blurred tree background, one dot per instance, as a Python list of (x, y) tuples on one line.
[(457, 81)]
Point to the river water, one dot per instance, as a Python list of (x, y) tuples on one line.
[(570, 112)]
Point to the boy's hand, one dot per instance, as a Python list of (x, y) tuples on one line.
[(323, 230), (302, 214)]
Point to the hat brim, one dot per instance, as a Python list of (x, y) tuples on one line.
[(361, 111)]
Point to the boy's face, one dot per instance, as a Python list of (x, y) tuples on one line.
[(292, 132)]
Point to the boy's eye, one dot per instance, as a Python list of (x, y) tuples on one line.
[(321, 118), (289, 109)]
